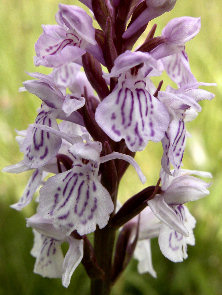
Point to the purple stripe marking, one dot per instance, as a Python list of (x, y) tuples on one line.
[(170, 243), (78, 196), (62, 217), (131, 109), (85, 203), (67, 183), (123, 106), (70, 193), (45, 153)]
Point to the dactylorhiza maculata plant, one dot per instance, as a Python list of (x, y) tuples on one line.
[(90, 125)]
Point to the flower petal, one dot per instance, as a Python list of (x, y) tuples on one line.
[(75, 202), (136, 116), (172, 244), (186, 188), (178, 68), (172, 218), (72, 103), (72, 259), (174, 145), (77, 20), (50, 258), (143, 254), (41, 146), (33, 184)]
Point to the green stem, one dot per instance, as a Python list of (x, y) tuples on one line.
[(103, 246)]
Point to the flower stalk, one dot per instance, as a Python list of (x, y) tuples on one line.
[(106, 117)]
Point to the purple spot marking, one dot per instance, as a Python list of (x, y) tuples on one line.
[(113, 116), (117, 132), (94, 186)]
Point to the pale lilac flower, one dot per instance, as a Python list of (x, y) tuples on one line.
[(154, 9), (51, 165), (50, 261), (67, 41), (182, 105), (53, 94), (70, 76), (76, 200), (131, 112), (176, 33), (177, 228), (175, 136)]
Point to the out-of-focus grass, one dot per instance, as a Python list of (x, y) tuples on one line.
[(20, 26)]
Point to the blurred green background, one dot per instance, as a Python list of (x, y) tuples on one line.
[(201, 273)]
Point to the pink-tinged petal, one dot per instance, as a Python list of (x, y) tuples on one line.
[(75, 202), (33, 184), (135, 116), (143, 254), (56, 46), (178, 68), (67, 54), (154, 9), (182, 29), (41, 146), (53, 98), (65, 74), (174, 145), (72, 259), (50, 259), (186, 188), (72, 103), (128, 60), (172, 218), (77, 20)]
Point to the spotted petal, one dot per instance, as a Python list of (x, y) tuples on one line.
[(178, 68), (49, 258), (173, 244), (76, 201), (174, 145), (133, 114), (41, 146)]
